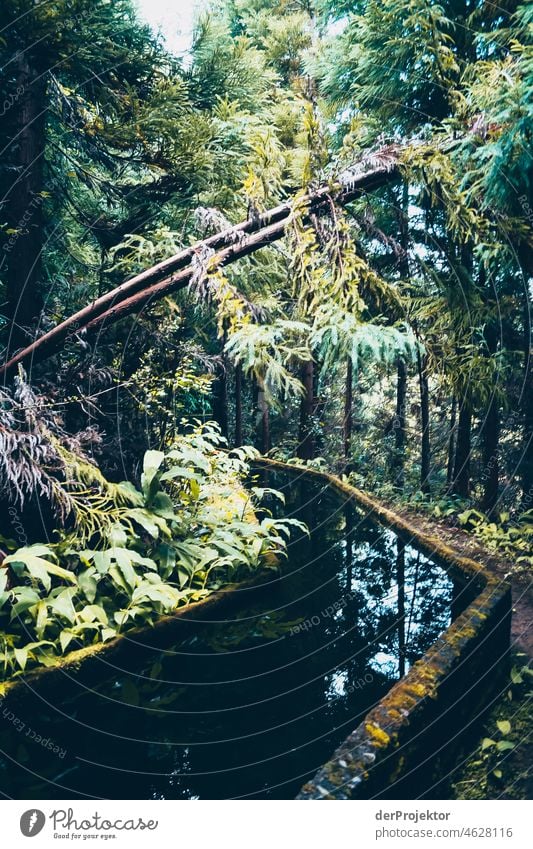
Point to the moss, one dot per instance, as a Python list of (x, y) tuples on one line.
[(379, 737), (394, 714), (418, 689), (399, 700), (336, 778)]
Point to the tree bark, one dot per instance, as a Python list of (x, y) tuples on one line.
[(238, 406), (461, 468), (264, 418), (23, 206), (306, 447), (401, 390), (451, 442), (491, 438), (220, 398), (220, 388), (425, 459), (526, 463), (175, 273), (491, 463), (400, 425)]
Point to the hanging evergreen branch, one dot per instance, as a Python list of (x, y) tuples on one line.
[(175, 273)]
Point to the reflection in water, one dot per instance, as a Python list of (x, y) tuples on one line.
[(253, 706), (400, 581)]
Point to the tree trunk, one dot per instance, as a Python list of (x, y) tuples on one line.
[(306, 447), (220, 389), (461, 468), (264, 418), (491, 465), (527, 456), (491, 437), (425, 459), (451, 442), (401, 389), (23, 206), (175, 272), (238, 405), (526, 464), (220, 398), (400, 425), (348, 415)]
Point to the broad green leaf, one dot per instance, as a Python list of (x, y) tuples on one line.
[(42, 619), (504, 745), (152, 461), (88, 584), (21, 656), (132, 495), (183, 577), (65, 639), (117, 536), (124, 560), (122, 616), (118, 579), (62, 606), (166, 557), (29, 558), (152, 524), (149, 479), (26, 597), (102, 561), (162, 505), (166, 595), (92, 612)]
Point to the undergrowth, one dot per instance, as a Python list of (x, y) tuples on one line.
[(136, 554)]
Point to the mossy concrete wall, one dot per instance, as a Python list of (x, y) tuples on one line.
[(407, 742)]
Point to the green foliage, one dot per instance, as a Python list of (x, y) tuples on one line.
[(39, 457), (192, 530), (338, 335), (397, 59), (513, 537), (268, 352), (494, 769), (163, 395)]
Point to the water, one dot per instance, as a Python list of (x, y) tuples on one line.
[(250, 707)]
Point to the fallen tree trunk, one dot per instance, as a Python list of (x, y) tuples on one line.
[(175, 272)]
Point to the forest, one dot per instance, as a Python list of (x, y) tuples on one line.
[(305, 242)]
